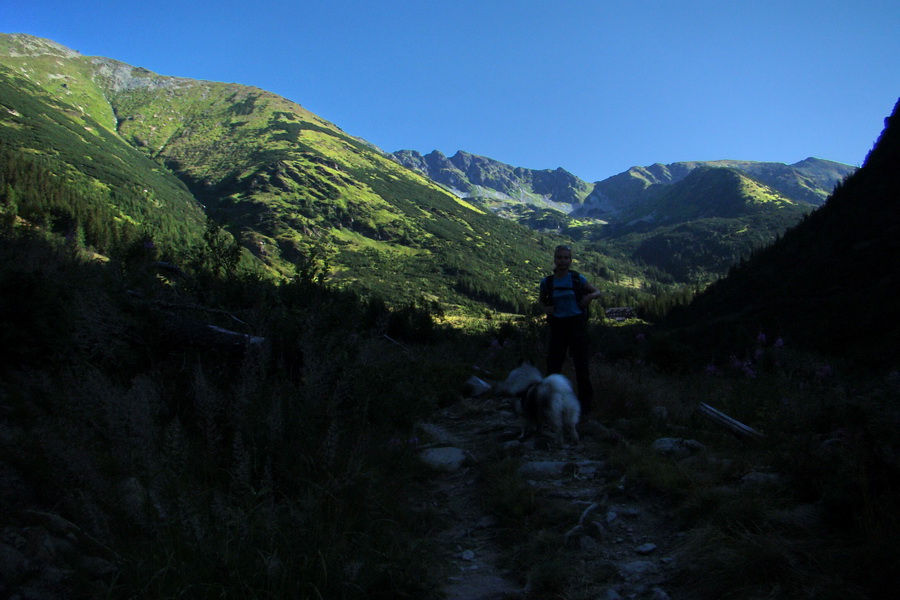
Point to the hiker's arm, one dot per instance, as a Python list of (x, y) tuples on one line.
[(547, 308), (545, 293), (592, 294)]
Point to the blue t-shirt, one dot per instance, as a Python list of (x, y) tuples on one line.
[(564, 304)]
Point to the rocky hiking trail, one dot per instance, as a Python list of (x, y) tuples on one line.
[(614, 545)]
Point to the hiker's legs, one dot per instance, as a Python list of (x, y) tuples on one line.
[(570, 336), (556, 348), (581, 357)]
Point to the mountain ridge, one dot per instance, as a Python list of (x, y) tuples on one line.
[(291, 186), (472, 175), (810, 180)]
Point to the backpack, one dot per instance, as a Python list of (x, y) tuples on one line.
[(577, 287)]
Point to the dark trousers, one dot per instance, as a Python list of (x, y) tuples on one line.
[(569, 336)]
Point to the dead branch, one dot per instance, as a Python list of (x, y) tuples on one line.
[(733, 425), (235, 337), (214, 311), (174, 269)]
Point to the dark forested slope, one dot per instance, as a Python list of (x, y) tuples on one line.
[(831, 283)]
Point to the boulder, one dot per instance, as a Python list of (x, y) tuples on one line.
[(445, 458)]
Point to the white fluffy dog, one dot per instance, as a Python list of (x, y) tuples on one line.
[(539, 400)]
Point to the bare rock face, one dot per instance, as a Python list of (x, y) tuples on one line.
[(119, 77), (29, 45)]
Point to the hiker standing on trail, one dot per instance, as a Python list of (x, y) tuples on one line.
[(565, 297)]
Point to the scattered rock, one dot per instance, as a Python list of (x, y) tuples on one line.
[(475, 387), (13, 564), (438, 433), (677, 447), (97, 567), (512, 447), (447, 458), (585, 469), (659, 594), (486, 522), (647, 548), (629, 512), (637, 570), (478, 586), (542, 469), (758, 478), (559, 469), (132, 499), (589, 544), (661, 413), (53, 522)]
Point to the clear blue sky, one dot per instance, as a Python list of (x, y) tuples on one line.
[(592, 86)]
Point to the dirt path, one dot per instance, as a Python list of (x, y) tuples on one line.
[(614, 545)]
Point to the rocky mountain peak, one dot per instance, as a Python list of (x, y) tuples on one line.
[(21, 44), (473, 175)]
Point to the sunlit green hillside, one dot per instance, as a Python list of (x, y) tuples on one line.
[(63, 169), (296, 191)]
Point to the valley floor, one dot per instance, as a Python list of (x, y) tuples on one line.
[(595, 538)]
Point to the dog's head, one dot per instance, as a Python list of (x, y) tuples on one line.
[(519, 380)]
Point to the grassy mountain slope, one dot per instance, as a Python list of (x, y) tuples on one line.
[(706, 193), (290, 184), (810, 181), (291, 187), (699, 226), (69, 150), (830, 282), (694, 220)]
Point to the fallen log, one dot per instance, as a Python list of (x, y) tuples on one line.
[(233, 337), (733, 425)]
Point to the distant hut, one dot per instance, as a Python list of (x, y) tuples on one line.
[(620, 313)]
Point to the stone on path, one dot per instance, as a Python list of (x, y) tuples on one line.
[(480, 587), (475, 387), (554, 469), (446, 458)]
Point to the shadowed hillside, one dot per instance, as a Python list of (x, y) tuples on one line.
[(830, 283)]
